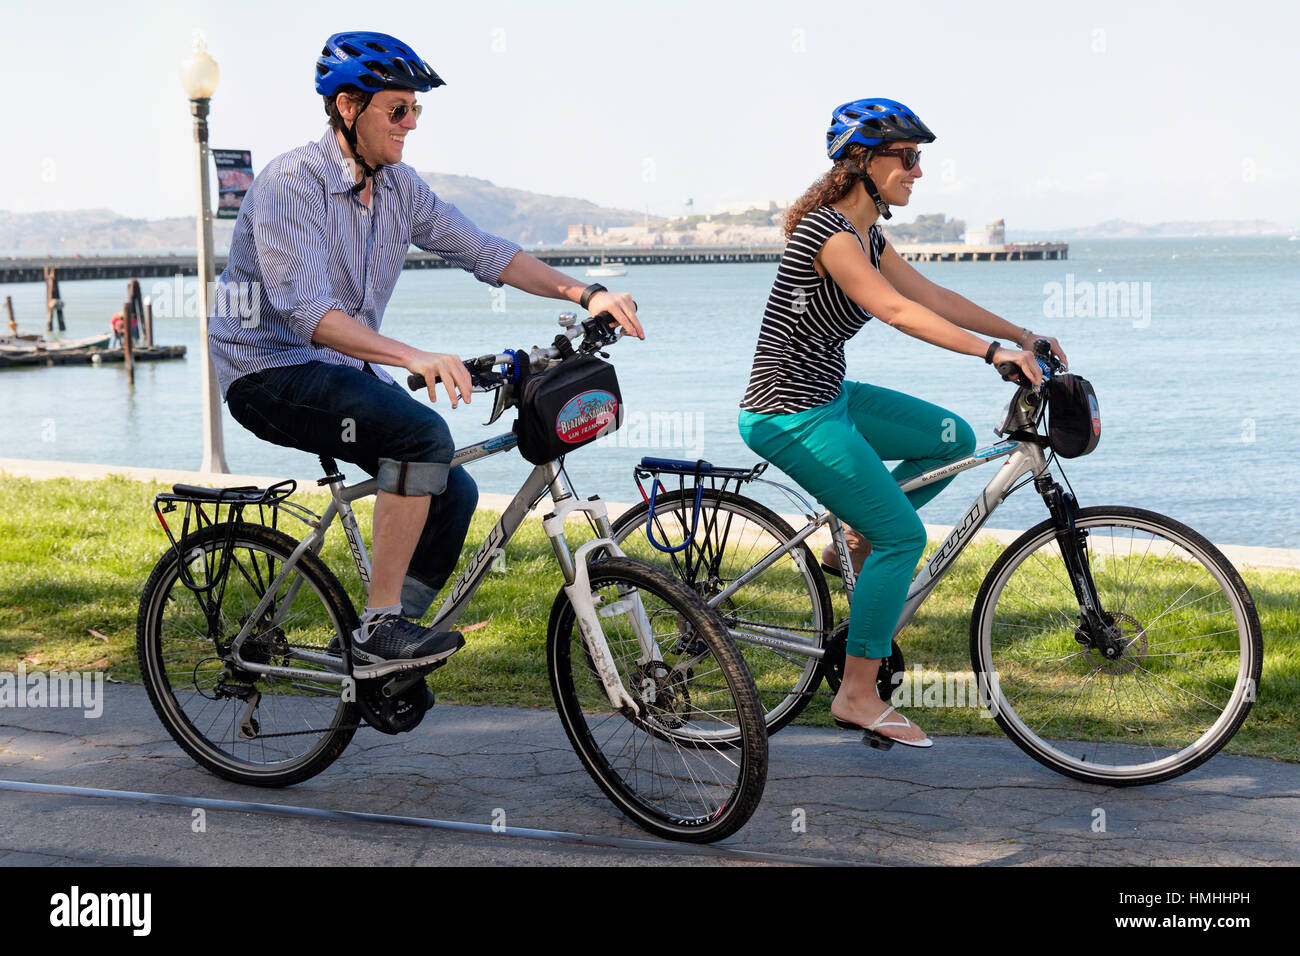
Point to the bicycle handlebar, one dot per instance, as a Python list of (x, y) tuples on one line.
[(1048, 362), (598, 331)]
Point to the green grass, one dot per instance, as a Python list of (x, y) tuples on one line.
[(75, 554)]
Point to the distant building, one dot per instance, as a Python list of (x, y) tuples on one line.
[(993, 234)]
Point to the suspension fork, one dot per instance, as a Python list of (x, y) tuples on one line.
[(1096, 627)]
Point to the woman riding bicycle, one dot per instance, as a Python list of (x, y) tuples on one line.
[(829, 434)]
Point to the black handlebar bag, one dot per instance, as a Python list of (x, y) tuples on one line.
[(567, 406), (1074, 419)]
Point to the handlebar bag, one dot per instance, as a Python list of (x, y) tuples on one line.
[(567, 406), (1074, 420)]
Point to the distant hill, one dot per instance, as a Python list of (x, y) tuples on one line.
[(528, 218), (1123, 229)]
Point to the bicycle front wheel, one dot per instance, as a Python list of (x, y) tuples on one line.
[(246, 727), (692, 764), (1186, 678), (788, 600)]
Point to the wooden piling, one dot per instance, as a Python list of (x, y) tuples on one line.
[(53, 301), (133, 293), (148, 321), (127, 314), (9, 307)]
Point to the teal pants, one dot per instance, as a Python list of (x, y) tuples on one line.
[(835, 452)]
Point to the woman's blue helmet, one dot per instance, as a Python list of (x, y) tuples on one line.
[(871, 122), (371, 62)]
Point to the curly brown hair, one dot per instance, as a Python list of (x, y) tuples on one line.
[(833, 186)]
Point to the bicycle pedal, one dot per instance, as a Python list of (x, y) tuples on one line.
[(875, 741)]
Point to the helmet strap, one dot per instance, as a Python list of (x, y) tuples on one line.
[(350, 134), (882, 207)]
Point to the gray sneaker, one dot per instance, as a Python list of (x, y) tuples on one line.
[(392, 643)]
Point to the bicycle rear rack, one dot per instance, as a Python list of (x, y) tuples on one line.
[(701, 475), (198, 501)]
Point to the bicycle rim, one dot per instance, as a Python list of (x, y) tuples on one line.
[(789, 596), (1190, 668), (298, 726), (692, 766)]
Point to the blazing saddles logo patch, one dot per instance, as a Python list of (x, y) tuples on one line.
[(585, 416)]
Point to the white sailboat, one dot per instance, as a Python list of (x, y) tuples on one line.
[(607, 269)]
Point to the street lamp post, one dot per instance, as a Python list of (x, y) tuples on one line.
[(199, 77)]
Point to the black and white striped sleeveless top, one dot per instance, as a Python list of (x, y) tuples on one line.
[(799, 363)]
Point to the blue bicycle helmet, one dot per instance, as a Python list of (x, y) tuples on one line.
[(367, 63), (870, 122), (371, 62)]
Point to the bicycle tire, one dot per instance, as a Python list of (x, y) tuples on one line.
[(693, 765), (1148, 568), (189, 683), (792, 594)]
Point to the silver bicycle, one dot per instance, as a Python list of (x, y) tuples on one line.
[(1112, 644), (244, 641)]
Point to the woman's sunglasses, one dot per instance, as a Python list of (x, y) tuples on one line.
[(398, 113), (909, 154)]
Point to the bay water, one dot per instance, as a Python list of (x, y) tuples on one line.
[(1191, 345)]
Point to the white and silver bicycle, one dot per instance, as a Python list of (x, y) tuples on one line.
[(244, 642), (1112, 644)]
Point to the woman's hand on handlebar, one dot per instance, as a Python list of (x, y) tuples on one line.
[(450, 368), (1026, 362), (1056, 348), (621, 307)]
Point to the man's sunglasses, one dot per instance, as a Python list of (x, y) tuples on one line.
[(398, 113), (910, 155)]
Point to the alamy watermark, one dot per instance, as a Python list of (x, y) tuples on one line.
[(172, 300), (83, 690), (944, 689), (681, 430), (1084, 298)]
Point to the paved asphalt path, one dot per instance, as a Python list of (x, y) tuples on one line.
[(965, 801)]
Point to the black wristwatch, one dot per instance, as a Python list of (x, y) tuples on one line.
[(988, 356), (588, 292)]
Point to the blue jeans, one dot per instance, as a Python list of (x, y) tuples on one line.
[(349, 414)]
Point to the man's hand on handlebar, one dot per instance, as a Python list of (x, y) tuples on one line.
[(621, 307), (450, 368)]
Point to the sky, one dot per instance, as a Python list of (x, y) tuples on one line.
[(1047, 114)]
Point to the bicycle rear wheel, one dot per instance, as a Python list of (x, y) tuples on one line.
[(1187, 676), (734, 534), (693, 764), (267, 731)]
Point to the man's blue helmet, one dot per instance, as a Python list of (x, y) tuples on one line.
[(871, 122), (371, 62)]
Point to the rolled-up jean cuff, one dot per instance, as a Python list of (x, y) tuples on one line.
[(417, 598), (412, 478)]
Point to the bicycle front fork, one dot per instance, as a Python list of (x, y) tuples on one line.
[(577, 587), (1096, 627)]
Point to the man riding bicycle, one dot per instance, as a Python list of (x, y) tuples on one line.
[(321, 237)]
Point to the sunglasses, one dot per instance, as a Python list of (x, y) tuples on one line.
[(910, 155), (398, 113)]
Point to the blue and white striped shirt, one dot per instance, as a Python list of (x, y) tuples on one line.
[(304, 244)]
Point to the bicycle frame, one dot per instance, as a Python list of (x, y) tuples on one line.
[(541, 479), (1023, 459)]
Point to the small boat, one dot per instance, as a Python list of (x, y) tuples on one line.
[(607, 269), (89, 342)]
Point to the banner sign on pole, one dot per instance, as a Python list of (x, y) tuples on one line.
[(234, 177)]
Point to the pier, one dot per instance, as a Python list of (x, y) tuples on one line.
[(91, 356), (69, 268)]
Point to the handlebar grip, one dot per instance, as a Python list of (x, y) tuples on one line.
[(417, 382)]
